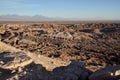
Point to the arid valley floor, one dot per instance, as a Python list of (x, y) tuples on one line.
[(59, 51)]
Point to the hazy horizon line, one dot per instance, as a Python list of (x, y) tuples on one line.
[(57, 18)]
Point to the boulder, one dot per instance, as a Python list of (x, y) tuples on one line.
[(109, 73), (10, 60)]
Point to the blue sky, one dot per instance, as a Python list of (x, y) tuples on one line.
[(82, 9)]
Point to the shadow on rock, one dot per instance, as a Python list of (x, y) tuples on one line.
[(74, 71), (5, 73)]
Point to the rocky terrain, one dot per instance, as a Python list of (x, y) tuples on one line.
[(54, 51)]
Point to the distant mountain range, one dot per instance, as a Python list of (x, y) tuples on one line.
[(29, 18), (45, 18)]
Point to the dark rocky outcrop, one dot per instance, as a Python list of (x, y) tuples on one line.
[(108, 73)]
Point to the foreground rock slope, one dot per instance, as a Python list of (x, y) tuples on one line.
[(84, 51)]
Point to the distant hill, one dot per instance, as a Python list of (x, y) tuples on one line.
[(30, 18), (23, 18), (45, 18)]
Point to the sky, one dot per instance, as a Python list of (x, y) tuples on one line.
[(79, 9)]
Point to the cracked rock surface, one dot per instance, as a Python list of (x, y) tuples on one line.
[(47, 51)]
